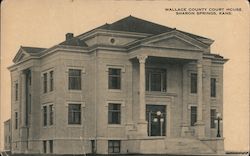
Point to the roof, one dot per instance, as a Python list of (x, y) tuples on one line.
[(134, 24), (127, 24), (32, 50)]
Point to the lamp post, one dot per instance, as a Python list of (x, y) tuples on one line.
[(161, 121), (218, 120), (158, 118)]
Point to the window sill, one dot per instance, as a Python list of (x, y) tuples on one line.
[(213, 98), (157, 137), (115, 90), (74, 125), (193, 94), (156, 92), (74, 91), (115, 125), (49, 126), (149, 93)]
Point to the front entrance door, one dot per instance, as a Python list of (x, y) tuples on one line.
[(156, 117)]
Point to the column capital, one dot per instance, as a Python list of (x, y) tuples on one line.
[(142, 58), (199, 63)]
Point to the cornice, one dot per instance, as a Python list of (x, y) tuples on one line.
[(214, 59), (12, 67), (161, 47), (104, 32)]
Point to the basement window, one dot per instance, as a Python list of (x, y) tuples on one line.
[(114, 146)]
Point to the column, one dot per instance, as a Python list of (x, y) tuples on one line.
[(142, 123), (200, 127), (142, 60)]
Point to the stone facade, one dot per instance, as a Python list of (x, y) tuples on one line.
[(7, 135), (154, 65)]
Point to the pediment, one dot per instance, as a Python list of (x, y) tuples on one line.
[(173, 42), (21, 55)]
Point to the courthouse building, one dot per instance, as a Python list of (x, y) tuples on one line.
[(132, 86)]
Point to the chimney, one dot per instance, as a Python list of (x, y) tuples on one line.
[(69, 36)]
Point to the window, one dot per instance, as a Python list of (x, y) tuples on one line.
[(212, 118), (44, 115), (93, 150), (16, 91), (44, 146), (74, 79), (51, 113), (193, 83), (74, 114), (50, 146), (45, 83), (51, 79), (193, 115), (16, 120), (213, 87), (156, 80), (114, 146), (114, 80), (114, 113)]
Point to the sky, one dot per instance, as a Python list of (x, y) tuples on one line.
[(45, 23)]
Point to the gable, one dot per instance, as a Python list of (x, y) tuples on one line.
[(174, 42), (25, 52), (21, 55)]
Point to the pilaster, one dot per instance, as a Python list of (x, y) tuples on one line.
[(200, 126)]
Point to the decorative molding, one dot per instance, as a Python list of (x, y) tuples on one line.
[(121, 101), (116, 66), (98, 32), (82, 103), (142, 58), (191, 105), (83, 71)]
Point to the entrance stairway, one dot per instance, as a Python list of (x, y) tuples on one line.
[(186, 146)]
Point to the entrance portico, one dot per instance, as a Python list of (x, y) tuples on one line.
[(175, 55)]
